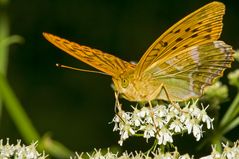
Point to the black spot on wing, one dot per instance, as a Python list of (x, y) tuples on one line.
[(194, 30), (209, 30), (208, 37), (194, 35), (163, 44), (187, 30), (179, 39), (177, 31)]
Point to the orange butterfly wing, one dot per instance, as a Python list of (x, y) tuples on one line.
[(105, 62), (186, 74), (200, 27)]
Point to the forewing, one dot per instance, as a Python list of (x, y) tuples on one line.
[(102, 61), (186, 74), (200, 27)]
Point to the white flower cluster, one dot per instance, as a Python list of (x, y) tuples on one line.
[(227, 153), (98, 154), (19, 151), (162, 122)]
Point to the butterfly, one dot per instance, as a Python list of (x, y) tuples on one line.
[(176, 67)]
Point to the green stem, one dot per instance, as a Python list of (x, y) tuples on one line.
[(16, 112), (235, 106), (234, 123), (231, 113), (55, 148), (216, 140), (4, 32)]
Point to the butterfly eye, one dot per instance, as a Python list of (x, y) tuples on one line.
[(124, 83)]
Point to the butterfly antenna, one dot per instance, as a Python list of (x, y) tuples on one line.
[(78, 69)]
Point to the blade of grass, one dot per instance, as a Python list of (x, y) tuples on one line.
[(4, 32), (231, 113), (231, 126), (24, 124), (17, 113), (55, 148)]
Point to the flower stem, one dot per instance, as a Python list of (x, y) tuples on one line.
[(231, 113), (17, 113)]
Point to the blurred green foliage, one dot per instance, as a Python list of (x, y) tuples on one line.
[(76, 107)]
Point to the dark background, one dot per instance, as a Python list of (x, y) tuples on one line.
[(76, 107)]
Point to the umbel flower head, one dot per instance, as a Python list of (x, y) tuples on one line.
[(228, 152), (157, 154), (19, 151), (162, 122)]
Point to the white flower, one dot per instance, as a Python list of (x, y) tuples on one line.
[(170, 116), (162, 111), (164, 136), (231, 152), (195, 112), (159, 123), (120, 142), (197, 131), (189, 125), (208, 157), (175, 108), (125, 131), (125, 116), (162, 121), (206, 119), (176, 125), (184, 118), (149, 131), (116, 120), (227, 152), (186, 156), (136, 118), (148, 119), (143, 112), (19, 151)]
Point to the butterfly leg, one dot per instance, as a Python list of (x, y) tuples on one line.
[(118, 108), (162, 87), (154, 123), (117, 103), (173, 103)]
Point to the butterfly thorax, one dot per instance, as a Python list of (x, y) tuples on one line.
[(133, 88)]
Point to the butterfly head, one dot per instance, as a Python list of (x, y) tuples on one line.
[(123, 84)]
